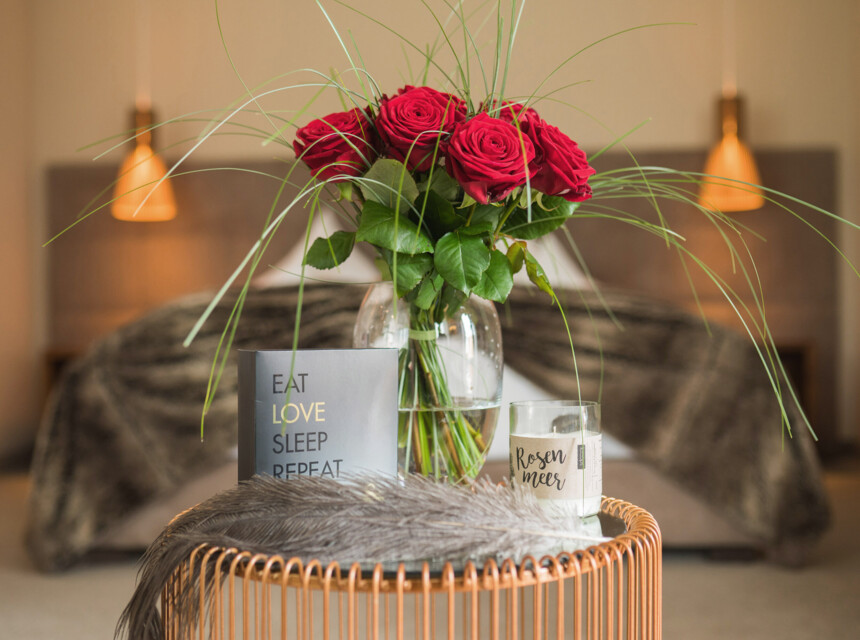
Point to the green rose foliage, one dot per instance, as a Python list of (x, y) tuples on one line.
[(550, 213), (388, 182), (388, 229), (327, 253), (461, 259), (439, 246)]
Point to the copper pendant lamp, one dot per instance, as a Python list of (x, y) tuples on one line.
[(731, 158), (142, 194)]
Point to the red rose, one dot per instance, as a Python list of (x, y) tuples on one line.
[(415, 119), (485, 155), (562, 168), (337, 145)]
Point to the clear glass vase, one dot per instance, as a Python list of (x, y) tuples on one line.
[(450, 380)]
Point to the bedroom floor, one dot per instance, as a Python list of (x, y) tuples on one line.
[(702, 598)]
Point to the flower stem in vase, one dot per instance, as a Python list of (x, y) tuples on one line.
[(432, 421), (450, 363)]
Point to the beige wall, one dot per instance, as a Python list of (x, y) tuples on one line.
[(795, 69)]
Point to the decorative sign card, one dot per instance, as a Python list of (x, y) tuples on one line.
[(336, 412)]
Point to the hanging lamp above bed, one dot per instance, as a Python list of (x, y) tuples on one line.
[(730, 158), (142, 193)]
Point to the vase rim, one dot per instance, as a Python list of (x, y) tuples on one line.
[(555, 403)]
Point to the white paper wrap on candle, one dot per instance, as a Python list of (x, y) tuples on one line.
[(562, 469)]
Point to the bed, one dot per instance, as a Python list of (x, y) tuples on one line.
[(693, 429)]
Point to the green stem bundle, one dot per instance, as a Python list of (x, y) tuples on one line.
[(437, 437)]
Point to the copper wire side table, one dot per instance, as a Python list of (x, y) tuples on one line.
[(610, 590)]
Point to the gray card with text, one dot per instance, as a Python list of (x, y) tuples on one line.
[(330, 412)]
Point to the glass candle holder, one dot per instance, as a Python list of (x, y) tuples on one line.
[(557, 454)]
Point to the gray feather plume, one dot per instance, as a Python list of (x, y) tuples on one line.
[(360, 518)]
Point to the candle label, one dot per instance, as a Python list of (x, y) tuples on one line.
[(558, 466)]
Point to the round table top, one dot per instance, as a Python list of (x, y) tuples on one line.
[(628, 532)]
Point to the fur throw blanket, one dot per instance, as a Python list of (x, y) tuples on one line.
[(123, 425)]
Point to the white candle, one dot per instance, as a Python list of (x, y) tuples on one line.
[(564, 471)]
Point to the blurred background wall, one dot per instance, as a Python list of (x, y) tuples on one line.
[(68, 80)]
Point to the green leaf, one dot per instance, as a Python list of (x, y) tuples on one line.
[(382, 267), (429, 291), (443, 184), (544, 219), (516, 256), (468, 201), (486, 213), (477, 229), (345, 189), (450, 300), (498, 280), (439, 214), (557, 204), (541, 223), (409, 270), (537, 275), (327, 253), (524, 197), (461, 259), (387, 181), (380, 226)]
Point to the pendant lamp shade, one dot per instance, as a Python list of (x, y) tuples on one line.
[(138, 194), (731, 158)]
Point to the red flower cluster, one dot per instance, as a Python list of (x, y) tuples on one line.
[(489, 156)]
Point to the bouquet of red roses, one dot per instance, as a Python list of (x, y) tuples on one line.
[(448, 198), (441, 191)]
